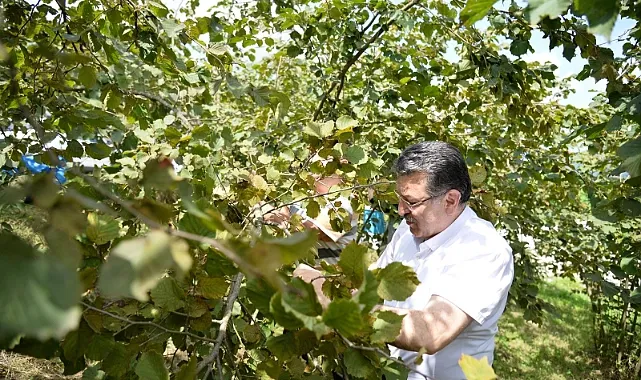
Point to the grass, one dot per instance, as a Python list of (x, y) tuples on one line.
[(559, 349)]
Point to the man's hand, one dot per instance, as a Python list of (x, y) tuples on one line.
[(315, 277), (271, 215)]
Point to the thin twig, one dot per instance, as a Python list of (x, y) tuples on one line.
[(324, 194), (325, 276), (33, 8), (146, 323), (383, 354), (222, 331)]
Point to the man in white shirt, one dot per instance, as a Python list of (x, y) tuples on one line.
[(464, 265)]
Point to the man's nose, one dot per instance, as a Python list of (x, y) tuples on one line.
[(403, 209)]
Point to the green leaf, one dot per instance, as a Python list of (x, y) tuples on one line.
[(601, 15), (635, 296), (345, 122), (151, 366), (41, 294), (319, 130), (395, 371), (169, 119), (259, 294), (171, 27), (367, 294), (188, 371), (194, 224), (76, 342), (117, 362), (75, 149), (478, 174), (537, 10), (271, 254), (98, 150), (260, 95), (159, 174), (235, 87), (609, 289), (630, 207), (475, 10), (396, 282), (519, 47), (212, 288), (356, 155), (282, 316), (476, 369), (313, 209), (135, 266), (102, 229), (301, 298), (87, 76), (93, 373), (629, 265), (353, 262), (283, 346), (630, 152), (387, 326), (300, 301), (345, 316), (357, 364), (168, 294), (100, 347)]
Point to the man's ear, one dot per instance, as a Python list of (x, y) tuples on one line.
[(452, 200)]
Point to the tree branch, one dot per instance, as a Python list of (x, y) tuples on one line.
[(127, 206), (383, 354), (33, 8), (350, 62), (145, 323), (328, 193), (164, 103), (222, 331)]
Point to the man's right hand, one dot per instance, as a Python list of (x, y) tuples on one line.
[(279, 217)]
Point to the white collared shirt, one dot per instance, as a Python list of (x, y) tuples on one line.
[(470, 264)]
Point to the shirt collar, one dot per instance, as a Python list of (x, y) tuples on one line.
[(433, 243)]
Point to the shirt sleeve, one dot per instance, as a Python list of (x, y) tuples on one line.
[(477, 284)]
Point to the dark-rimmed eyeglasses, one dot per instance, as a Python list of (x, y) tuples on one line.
[(413, 205)]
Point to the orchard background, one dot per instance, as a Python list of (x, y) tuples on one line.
[(173, 125)]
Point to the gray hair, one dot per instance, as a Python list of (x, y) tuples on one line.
[(441, 162)]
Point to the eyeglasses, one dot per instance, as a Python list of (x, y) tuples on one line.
[(414, 205)]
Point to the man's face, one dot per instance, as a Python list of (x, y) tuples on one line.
[(425, 216)]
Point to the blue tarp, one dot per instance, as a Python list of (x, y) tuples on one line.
[(36, 168)]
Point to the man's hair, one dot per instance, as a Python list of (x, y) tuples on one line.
[(441, 162)]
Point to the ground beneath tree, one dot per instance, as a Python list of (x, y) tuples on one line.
[(559, 349)]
